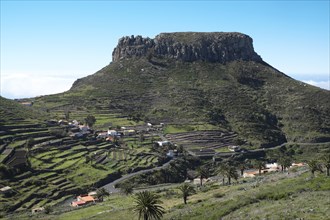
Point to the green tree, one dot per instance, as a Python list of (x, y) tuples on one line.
[(88, 158), (186, 190), (259, 164), (231, 172), (326, 162), (147, 205), (126, 188), (282, 156), (141, 137), (222, 171), (90, 120), (203, 172), (285, 161), (314, 166), (48, 209), (243, 165), (101, 193)]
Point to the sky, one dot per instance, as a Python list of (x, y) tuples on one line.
[(47, 45)]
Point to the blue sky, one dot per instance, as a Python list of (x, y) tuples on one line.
[(46, 45)]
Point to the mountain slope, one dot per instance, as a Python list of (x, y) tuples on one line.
[(211, 78), (11, 111)]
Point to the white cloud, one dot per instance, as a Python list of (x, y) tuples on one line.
[(321, 84), (30, 85)]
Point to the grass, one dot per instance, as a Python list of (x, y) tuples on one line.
[(277, 196)]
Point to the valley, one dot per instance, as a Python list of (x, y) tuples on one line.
[(183, 107)]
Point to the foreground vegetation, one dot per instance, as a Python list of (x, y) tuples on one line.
[(272, 196)]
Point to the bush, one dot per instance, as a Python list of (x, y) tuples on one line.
[(218, 195), (48, 209)]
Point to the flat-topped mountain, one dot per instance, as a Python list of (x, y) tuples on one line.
[(192, 46), (203, 78)]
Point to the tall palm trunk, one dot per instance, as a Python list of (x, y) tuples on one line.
[(185, 199)]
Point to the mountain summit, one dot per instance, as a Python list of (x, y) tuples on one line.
[(203, 81), (192, 46)]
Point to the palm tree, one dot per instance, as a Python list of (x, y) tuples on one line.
[(243, 165), (222, 172), (285, 161), (326, 162), (203, 172), (147, 205), (259, 164), (231, 172), (186, 190), (314, 166)]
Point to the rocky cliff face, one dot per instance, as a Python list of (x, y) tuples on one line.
[(189, 46)]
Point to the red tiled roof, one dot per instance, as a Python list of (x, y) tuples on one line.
[(77, 203)]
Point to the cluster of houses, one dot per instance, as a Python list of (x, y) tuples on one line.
[(272, 167), (112, 133)]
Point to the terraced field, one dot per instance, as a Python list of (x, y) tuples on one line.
[(211, 139), (57, 168)]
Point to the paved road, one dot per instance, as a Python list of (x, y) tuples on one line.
[(110, 187)]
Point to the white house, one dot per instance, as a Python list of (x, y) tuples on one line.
[(112, 132), (102, 135), (129, 132), (234, 148), (83, 128), (163, 143), (172, 153)]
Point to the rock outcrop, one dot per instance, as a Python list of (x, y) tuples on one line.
[(189, 46)]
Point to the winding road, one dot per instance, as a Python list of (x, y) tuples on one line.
[(110, 187)]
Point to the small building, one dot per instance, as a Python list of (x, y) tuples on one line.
[(272, 167), (83, 200), (163, 143), (102, 135), (84, 128), (112, 132), (77, 203), (63, 122), (129, 132), (75, 123), (6, 190), (27, 103), (250, 174), (234, 148), (197, 181), (172, 153), (297, 165), (86, 198)]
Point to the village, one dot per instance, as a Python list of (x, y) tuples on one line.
[(119, 146)]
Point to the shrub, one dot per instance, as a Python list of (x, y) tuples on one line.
[(48, 209), (218, 195)]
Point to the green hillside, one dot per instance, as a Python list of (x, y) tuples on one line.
[(261, 104), (273, 196), (12, 110)]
